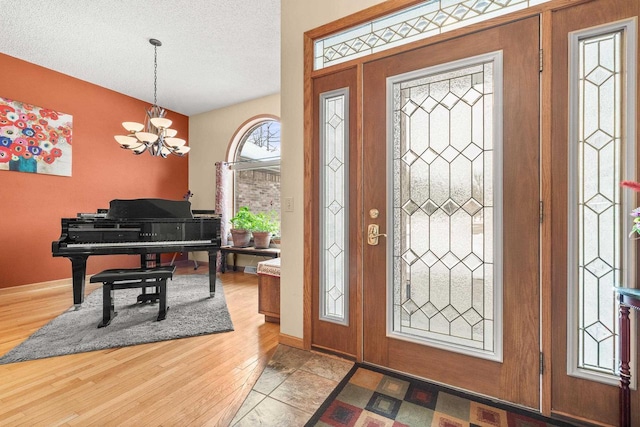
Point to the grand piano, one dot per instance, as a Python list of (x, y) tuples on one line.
[(145, 227)]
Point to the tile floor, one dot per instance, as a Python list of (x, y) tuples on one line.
[(295, 383), (291, 388)]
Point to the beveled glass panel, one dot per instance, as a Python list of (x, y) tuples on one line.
[(334, 143), (599, 240), (602, 152), (443, 287), (408, 25)]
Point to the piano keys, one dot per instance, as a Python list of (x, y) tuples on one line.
[(139, 226)]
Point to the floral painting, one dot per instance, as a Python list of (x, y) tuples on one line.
[(34, 139)]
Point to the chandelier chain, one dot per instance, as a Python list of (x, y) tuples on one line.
[(155, 74)]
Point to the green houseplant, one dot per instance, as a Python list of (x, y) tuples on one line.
[(245, 223), (241, 226), (265, 225)]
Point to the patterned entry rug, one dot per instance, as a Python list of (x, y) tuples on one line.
[(191, 312), (372, 397)]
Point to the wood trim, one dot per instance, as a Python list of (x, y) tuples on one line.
[(332, 352), (296, 342), (360, 240), (546, 114), (355, 20), (574, 418), (390, 6), (309, 203)]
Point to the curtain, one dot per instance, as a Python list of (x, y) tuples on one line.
[(222, 194)]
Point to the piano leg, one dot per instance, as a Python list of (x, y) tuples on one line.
[(149, 260), (79, 270), (108, 306), (213, 259), (162, 291)]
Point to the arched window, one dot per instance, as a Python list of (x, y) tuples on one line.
[(255, 160)]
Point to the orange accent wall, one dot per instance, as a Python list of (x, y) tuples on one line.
[(31, 205)]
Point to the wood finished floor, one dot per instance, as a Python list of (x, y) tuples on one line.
[(191, 381)]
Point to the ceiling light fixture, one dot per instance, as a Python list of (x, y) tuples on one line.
[(155, 134)]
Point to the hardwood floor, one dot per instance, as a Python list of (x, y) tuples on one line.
[(191, 381)]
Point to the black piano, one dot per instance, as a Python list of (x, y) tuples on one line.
[(147, 227)]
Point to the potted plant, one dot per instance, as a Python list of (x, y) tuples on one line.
[(264, 226), (241, 225)]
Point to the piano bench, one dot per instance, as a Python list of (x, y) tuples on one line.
[(126, 278)]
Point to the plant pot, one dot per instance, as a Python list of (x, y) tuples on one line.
[(240, 237), (261, 239)]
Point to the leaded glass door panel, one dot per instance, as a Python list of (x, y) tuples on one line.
[(451, 149)]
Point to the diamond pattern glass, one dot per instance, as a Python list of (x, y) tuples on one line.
[(411, 24), (334, 221), (443, 224), (598, 151)]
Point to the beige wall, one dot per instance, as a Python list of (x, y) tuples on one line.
[(211, 132), (297, 17)]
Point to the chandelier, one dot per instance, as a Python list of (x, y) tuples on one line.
[(155, 134)]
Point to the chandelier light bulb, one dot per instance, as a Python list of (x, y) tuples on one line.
[(170, 133), (182, 150), (133, 126), (139, 149), (164, 152), (147, 137), (161, 122), (175, 142), (126, 141)]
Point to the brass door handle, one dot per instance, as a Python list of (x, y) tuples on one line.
[(373, 232)]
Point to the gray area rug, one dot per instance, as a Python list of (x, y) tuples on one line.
[(191, 312)]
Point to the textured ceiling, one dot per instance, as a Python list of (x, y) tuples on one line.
[(214, 53)]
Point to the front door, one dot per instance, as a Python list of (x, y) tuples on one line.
[(451, 176)]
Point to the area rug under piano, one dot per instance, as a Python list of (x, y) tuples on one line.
[(191, 312)]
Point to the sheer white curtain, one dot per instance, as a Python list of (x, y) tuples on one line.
[(222, 198)]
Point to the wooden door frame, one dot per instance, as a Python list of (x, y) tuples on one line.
[(311, 207)]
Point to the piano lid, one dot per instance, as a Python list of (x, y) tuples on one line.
[(149, 208)]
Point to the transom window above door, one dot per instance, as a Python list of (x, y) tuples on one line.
[(408, 25)]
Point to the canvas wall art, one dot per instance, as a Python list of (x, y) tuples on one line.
[(34, 139)]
